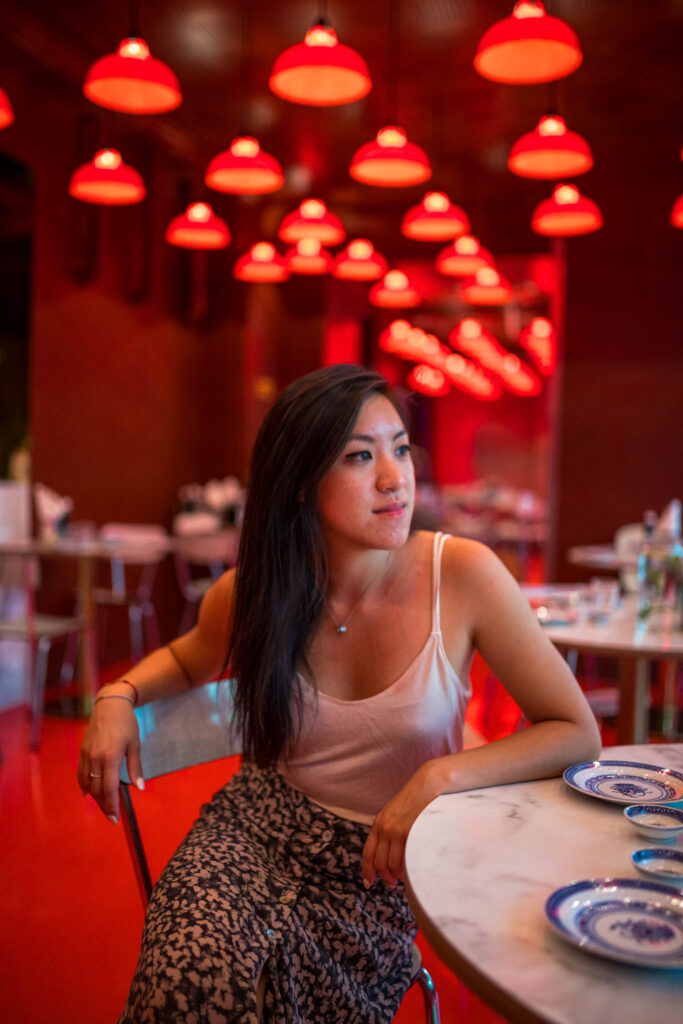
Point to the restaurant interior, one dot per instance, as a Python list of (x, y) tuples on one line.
[(139, 354)]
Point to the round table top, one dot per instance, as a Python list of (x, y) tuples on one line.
[(620, 635), (214, 545), (479, 868), (601, 556)]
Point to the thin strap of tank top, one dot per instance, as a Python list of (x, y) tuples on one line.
[(439, 541)]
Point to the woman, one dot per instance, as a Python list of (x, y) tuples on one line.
[(350, 639)]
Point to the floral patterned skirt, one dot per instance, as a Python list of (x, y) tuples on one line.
[(267, 885)]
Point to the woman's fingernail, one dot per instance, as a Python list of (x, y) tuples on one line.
[(366, 883), (140, 783), (113, 819)]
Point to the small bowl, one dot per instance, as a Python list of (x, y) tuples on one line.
[(655, 821), (665, 865)]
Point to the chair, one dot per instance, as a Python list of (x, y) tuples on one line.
[(215, 552), (191, 729), (40, 632), (143, 547)]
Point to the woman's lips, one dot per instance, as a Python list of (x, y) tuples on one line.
[(391, 511)]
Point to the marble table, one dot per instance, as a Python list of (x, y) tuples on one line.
[(635, 649), (479, 868), (601, 556)]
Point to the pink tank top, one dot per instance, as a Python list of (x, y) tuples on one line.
[(354, 756)]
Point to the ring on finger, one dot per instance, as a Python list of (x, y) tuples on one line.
[(94, 775)]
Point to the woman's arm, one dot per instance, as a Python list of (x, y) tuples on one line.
[(504, 629), (112, 733)]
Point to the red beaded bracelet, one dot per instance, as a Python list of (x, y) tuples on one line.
[(128, 683)]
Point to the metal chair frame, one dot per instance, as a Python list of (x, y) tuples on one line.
[(195, 728)]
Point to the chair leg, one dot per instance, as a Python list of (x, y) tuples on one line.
[(430, 996), (69, 661), (151, 626), (137, 643), (39, 692), (135, 847), (572, 658)]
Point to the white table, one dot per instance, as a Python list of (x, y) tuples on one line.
[(480, 866), (634, 649), (601, 556)]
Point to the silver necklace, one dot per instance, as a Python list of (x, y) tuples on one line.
[(342, 627)]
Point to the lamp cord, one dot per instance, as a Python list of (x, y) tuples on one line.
[(392, 63)]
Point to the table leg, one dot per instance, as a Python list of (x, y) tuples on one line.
[(88, 666), (634, 682)]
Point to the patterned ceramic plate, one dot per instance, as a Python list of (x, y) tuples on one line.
[(626, 782), (621, 919)]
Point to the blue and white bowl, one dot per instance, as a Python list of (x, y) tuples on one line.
[(664, 865), (655, 821)]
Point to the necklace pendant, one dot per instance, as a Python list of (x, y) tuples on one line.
[(341, 629)]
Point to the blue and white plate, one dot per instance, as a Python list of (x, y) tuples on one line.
[(621, 919), (666, 865), (626, 782)]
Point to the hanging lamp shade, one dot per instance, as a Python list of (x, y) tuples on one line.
[(486, 287), (107, 180), (394, 291), (428, 381), (312, 219), (676, 217), (463, 258), (359, 261), (262, 263), (470, 378), (539, 341), (550, 151), (530, 46), (435, 219), (401, 339), (132, 81), (390, 161), (198, 228), (6, 112), (244, 169), (321, 71), (308, 257), (566, 213)]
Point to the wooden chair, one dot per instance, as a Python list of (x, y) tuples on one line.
[(190, 729)]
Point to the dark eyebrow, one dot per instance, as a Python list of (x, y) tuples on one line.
[(371, 440)]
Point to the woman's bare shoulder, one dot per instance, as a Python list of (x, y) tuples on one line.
[(472, 567), (216, 606)]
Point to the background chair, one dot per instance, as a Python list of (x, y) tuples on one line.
[(39, 632), (191, 729), (143, 547), (199, 562)]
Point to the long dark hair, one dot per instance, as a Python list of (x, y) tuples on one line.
[(281, 566)]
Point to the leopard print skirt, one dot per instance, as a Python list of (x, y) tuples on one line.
[(268, 885)]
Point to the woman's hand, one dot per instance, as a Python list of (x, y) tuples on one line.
[(112, 733), (384, 850)]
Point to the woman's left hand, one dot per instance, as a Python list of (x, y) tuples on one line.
[(385, 846)]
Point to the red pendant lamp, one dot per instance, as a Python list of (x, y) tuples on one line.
[(312, 219), (676, 217), (435, 219), (566, 213), (198, 228), (394, 291), (463, 258), (321, 71), (308, 257), (550, 151), (390, 161), (486, 287), (401, 339), (359, 261), (261, 264), (244, 169), (530, 46), (6, 112), (106, 180), (539, 341), (428, 381), (132, 81), (471, 379)]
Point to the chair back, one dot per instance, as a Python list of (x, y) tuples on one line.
[(189, 729), (136, 543)]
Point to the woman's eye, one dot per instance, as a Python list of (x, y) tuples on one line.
[(358, 456), (403, 449)]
